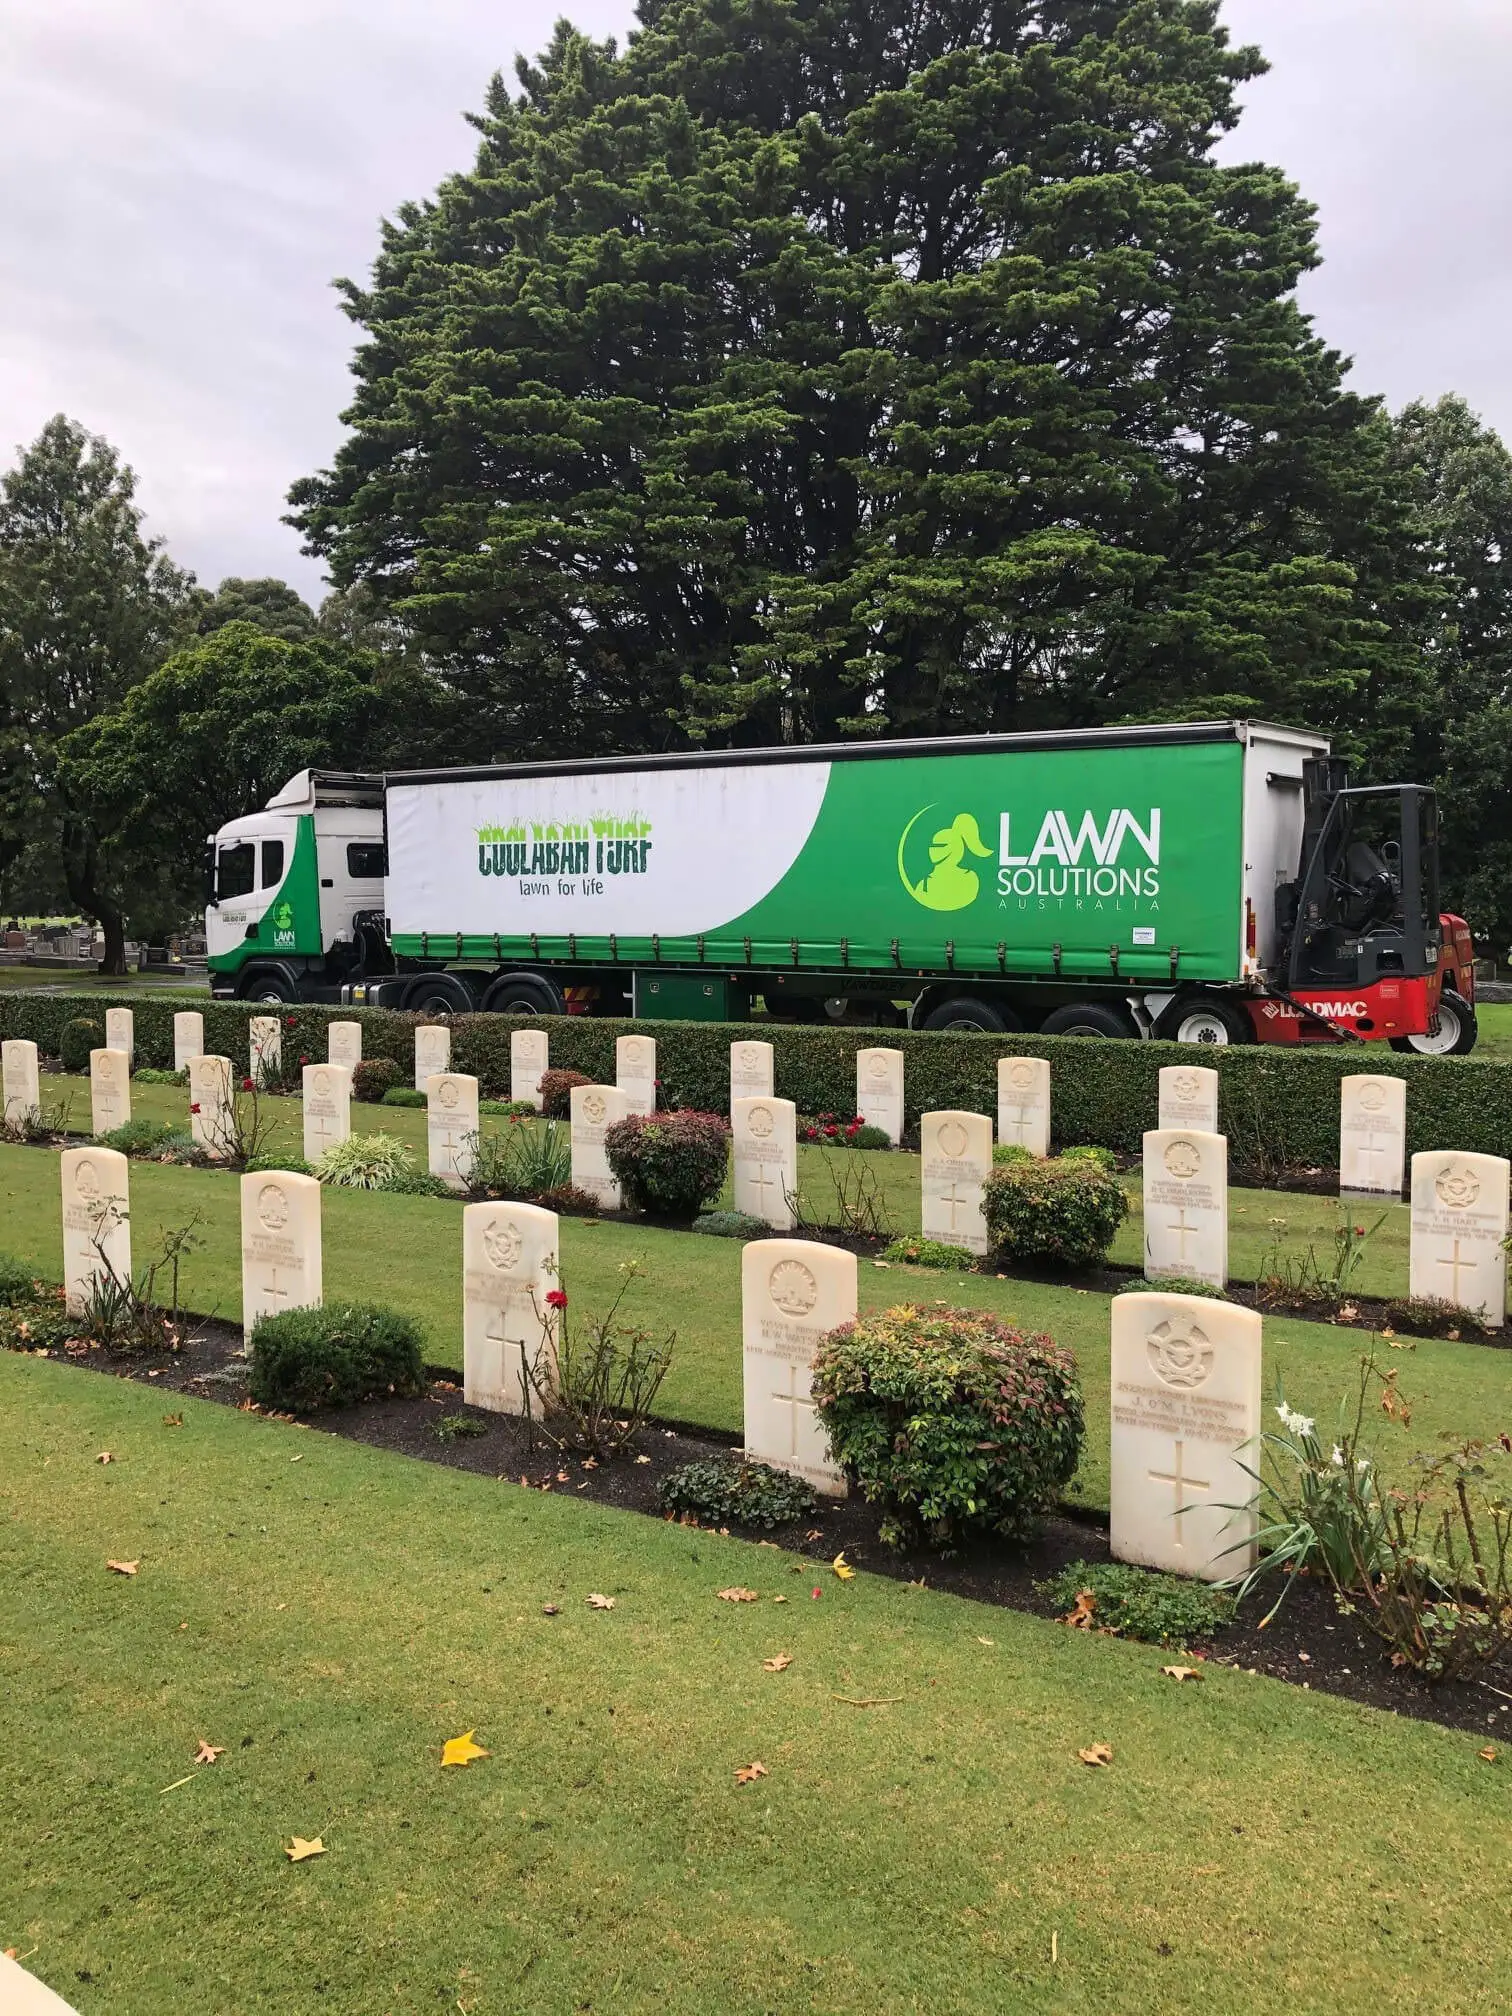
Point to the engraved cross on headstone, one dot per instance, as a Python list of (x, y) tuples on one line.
[(321, 1130), (793, 1399), (1181, 1229), (1181, 1481), (1455, 1263), (949, 1197), (764, 1180)]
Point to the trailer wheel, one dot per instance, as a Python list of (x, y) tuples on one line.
[(438, 994), (1457, 1030), (523, 994), (1089, 1018), (1202, 1018), (966, 1011)]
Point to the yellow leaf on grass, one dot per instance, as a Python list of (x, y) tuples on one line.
[(1097, 1753), (105, 1456), (207, 1752), (778, 1665), (461, 1750), (738, 1595), (1080, 1617), (596, 1602), (123, 1567), (1181, 1672), (301, 1851), (749, 1772), (173, 1420), (843, 1568), (1488, 1755)]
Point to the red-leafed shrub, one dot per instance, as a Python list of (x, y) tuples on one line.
[(669, 1162), (556, 1092)]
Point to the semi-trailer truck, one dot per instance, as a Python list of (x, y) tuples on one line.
[(1208, 882)]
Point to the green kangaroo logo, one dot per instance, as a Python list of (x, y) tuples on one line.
[(949, 885)]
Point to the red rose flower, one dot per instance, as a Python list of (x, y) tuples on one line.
[(194, 1106), (556, 1298), (290, 1020), (304, 1060), (246, 1084)]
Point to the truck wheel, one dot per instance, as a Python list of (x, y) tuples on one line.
[(267, 988), (1089, 1018), (965, 1011), (1457, 1030), (1201, 1018), (438, 994), (523, 994)]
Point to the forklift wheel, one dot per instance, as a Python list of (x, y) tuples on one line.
[(1457, 1030)]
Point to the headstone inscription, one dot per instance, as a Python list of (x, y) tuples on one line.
[(1459, 1220), (528, 1055), (750, 1071), (327, 1108), (344, 1044), (595, 1108), (955, 1160), (432, 1053), (188, 1038), (1186, 1205), (1372, 1135), (879, 1091), (764, 1157), (210, 1106), (280, 1244), (22, 1080), (635, 1072), (1189, 1097), (1023, 1102), (96, 1221), (109, 1090), (509, 1267), (793, 1293), (451, 1128)]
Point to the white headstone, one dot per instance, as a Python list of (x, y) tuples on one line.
[(793, 1293), (509, 1267), (22, 1994), (595, 1108), (451, 1127), (879, 1091), (764, 1157), (955, 1160), (109, 1090), (1186, 1205), (1372, 1135), (1459, 1220), (528, 1054), (120, 1032), (1023, 1102), (1186, 1419), (188, 1038), (750, 1071), (265, 1049), (432, 1053), (280, 1244), (96, 1219), (344, 1044), (635, 1071), (1189, 1097), (22, 1080), (327, 1108), (210, 1118)]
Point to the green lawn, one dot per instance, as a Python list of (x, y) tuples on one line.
[(330, 1614), (1494, 1019), (407, 1251)]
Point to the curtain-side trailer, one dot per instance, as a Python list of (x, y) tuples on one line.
[(1212, 882)]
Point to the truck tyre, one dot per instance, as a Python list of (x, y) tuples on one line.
[(523, 994), (966, 1011), (1205, 1018), (1457, 1030), (438, 994), (1089, 1018), (268, 987)]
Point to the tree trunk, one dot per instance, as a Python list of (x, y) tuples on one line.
[(113, 924)]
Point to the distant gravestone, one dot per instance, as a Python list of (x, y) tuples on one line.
[(528, 1055), (432, 1053), (1023, 1102), (879, 1091), (188, 1038), (635, 1072), (265, 1050), (509, 1267), (750, 1071), (793, 1293), (451, 1127), (1459, 1220), (120, 1033), (280, 1244), (595, 1108), (1372, 1135), (1189, 1097), (210, 1112), (955, 1160), (764, 1156), (1186, 1421), (109, 1090), (1186, 1205), (344, 1044), (22, 1080), (96, 1221), (327, 1108)]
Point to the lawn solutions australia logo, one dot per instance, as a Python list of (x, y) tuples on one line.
[(283, 924), (565, 856), (1076, 859)]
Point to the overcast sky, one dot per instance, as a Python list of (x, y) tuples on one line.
[(184, 178)]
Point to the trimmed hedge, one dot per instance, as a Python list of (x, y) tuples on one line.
[(1278, 1106)]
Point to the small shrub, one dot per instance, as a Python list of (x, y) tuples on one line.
[(1175, 1284), (421, 1183), (1088, 1152), (556, 1092), (669, 1162), (951, 1420), (366, 1162), (523, 1161), (39, 1324), (829, 1132), (605, 1378), (153, 1141), (1012, 1151), (733, 1491), (281, 1159), (373, 1077), (1427, 1316), (148, 1075), (306, 1359), (1137, 1603), (458, 1427), (930, 1253), (508, 1109), (75, 1041), (20, 1283), (410, 1095), (731, 1225), (569, 1200), (1065, 1212)]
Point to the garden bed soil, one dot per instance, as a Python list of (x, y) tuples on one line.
[(1308, 1643)]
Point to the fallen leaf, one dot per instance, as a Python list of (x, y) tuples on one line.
[(1080, 1617), (1488, 1755), (643, 1459), (460, 1750), (986, 1641), (105, 1456), (843, 1568), (123, 1567), (1097, 1753), (551, 1609), (173, 1420), (597, 1602), (749, 1772), (778, 1665), (779, 1599), (738, 1595), (208, 1752), (867, 1700), (301, 1851), (1181, 1672)]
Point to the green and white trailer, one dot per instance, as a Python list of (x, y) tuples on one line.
[(1202, 880)]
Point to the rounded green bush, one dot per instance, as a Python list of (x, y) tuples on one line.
[(953, 1421), (731, 1225), (669, 1162), (76, 1039), (410, 1095), (1090, 1152), (373, 1077), (734, 1491), (1066, 1211), (908, 1252), (1175, 1284), (306, 1359)]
